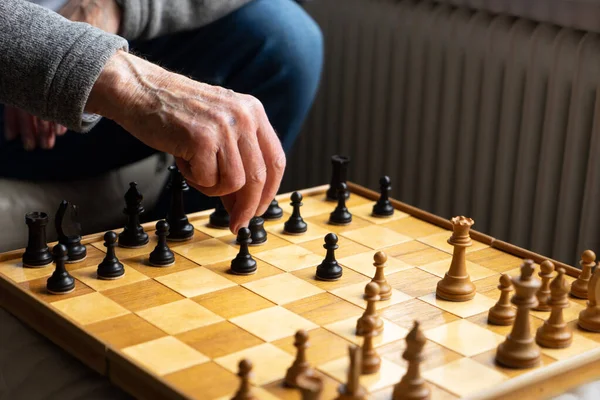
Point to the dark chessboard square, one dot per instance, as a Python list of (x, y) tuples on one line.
[(205, 381), (324, 308), (233, 302), (125, 331), (220, 339), (142, 295)]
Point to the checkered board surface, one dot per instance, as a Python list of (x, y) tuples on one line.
[(182, 330)]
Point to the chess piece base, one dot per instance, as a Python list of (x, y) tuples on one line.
[(166, 264), (453, 288), (413, 390), (113, 278), (370, 365), (359, 395), (37, 260), (110, 271), (383, 211), (590, 320), (518, 355), (133, 241), (241, 273), (69, 261), (553, 337), (293, 378), (63, 292), (542, 307), (503, 316), (181, 234), (137, 246), (329, 271), (579, 289), (360, 329)]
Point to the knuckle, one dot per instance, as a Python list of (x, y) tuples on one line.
[(280, 163), (258, 176)]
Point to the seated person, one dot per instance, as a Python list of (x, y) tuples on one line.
[(245, 73)]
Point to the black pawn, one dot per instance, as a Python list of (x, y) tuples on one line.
[(37, 253), (162, 256), (110, 267), (219, 218), (383, 207), (75, 250), (329, 269), (180, 227), (341, 215), (133, 236), (295, 225), (273, 212), (339, 174), (257, 231), (243, 263), (60, 282)]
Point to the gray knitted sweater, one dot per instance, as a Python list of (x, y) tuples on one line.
[(48, 64)]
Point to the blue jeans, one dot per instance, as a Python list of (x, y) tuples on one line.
[(270, 49)]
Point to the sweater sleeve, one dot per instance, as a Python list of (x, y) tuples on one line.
[(48, 65), (147, 19)]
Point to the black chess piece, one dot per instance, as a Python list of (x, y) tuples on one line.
[(258, 234), (162, 256), (383, 207), (295, 225), (243, 263), (76, 252), (180, 227), (110, 267), (341, 215), (274, 212), (60, 282), (339, 174), (37, 253), (329, 269), (133, 236), (219, 218)]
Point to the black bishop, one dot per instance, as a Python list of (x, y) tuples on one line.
[(133, 236), (180, 227)]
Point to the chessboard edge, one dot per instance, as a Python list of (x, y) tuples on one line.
[(59, 329), (137, 380)]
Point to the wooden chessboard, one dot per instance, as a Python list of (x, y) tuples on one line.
[(179, 332)]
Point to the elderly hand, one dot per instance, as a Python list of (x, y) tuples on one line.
[(223, 142), (34, 132)]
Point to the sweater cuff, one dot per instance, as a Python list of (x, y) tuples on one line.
[(134, 13), (77, 76)]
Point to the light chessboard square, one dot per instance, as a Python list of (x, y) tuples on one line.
[(89, 276), (363, 263), (311, 206), (365, 211), (165, 355), (580, 345), (289, 258), (14, 270), (464, 337), (179, 316), (196, 281), (414, 227), (273, 364), (464, 377), (376, 237), (355, 295), (313, 232), (440, 241), (463, 309), (347, 329), (283, 288), (476, 272), (202, 225), (89, 308), (207, 251), (389, 373), (273, 323)]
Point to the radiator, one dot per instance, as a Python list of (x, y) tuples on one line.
[(470, 113)]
